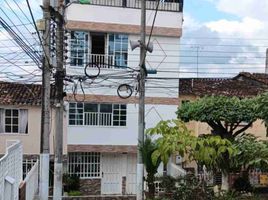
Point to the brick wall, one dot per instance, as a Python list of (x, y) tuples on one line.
[(90, 186), (99, 198)]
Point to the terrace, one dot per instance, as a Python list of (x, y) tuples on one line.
[(165, 5)]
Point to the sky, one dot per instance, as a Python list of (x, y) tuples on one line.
[(236, 30)]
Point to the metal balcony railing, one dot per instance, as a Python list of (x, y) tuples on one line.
[(98, 119), (102, 60), (167, 5)]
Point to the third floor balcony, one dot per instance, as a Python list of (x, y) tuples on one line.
[(164, 5)]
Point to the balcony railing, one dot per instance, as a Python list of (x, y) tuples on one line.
[(167, 5), (98, 119), (103, 61)]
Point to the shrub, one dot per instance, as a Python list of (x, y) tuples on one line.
[(242, 184), (71, 182)]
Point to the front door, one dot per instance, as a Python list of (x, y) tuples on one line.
[(112, 167), (131, 173)]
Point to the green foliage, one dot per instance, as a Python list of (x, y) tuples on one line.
[(168, 183), (185, 188), (147, 149), (175, 138), (212, 151), (219, 108), (208, 150), (71, 182), (242, 184), (262, 109), (74, 193), (223, 114), (251, 152)]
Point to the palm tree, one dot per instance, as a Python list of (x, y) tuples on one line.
[(147, 149)]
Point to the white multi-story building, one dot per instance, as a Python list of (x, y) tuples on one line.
[(102, 127)]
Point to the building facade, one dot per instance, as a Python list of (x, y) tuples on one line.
[(102, 127), (20, 119)]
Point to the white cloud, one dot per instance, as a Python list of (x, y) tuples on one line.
[(247, 27), (244, 8)]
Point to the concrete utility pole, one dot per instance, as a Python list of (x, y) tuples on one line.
[(45, 119), (59, 76), (140, 166)]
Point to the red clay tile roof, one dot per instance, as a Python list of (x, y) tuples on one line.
[(251, 85), (20, 94)]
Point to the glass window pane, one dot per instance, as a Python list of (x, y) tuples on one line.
[(15, 113), (116, 106), (106, 108), (15, 129), (8, 129), (15, 120), (8, 121), (80, 105), (123, 123), (91, 107), (8, 112), (116, 123)]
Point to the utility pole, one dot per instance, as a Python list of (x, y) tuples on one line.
[(59, 76), (140, 166), (45, 118)]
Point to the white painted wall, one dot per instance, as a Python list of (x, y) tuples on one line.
[(121, 135), (105, 14), (165, 56)]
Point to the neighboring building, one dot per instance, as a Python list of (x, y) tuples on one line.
[(103, 128), (243, 85), (20, 119)]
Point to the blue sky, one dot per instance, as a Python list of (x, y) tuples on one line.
[(237, 29), (206, 11)]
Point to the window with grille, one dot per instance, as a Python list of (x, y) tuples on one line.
[(13, 120), (84, 164), (27, 165), (92, 114), (79, 48)]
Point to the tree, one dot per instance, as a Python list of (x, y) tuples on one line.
[(223, 114), (147, 149), (251, 153), (208, 150), (262, 109)]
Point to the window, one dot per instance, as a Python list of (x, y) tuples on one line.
[(76, 113), (79, 48), (27, 165), (92, 114), (84, 164), (13, 120), (120, 115), (118, 47)]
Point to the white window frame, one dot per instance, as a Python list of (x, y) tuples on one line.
[(12, 118), (95, 170), (121, 52), (12, 124), (97, 116), (74, 49), (27, 165)]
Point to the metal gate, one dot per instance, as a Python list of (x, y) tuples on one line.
[(131, 173), (112, 166)]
